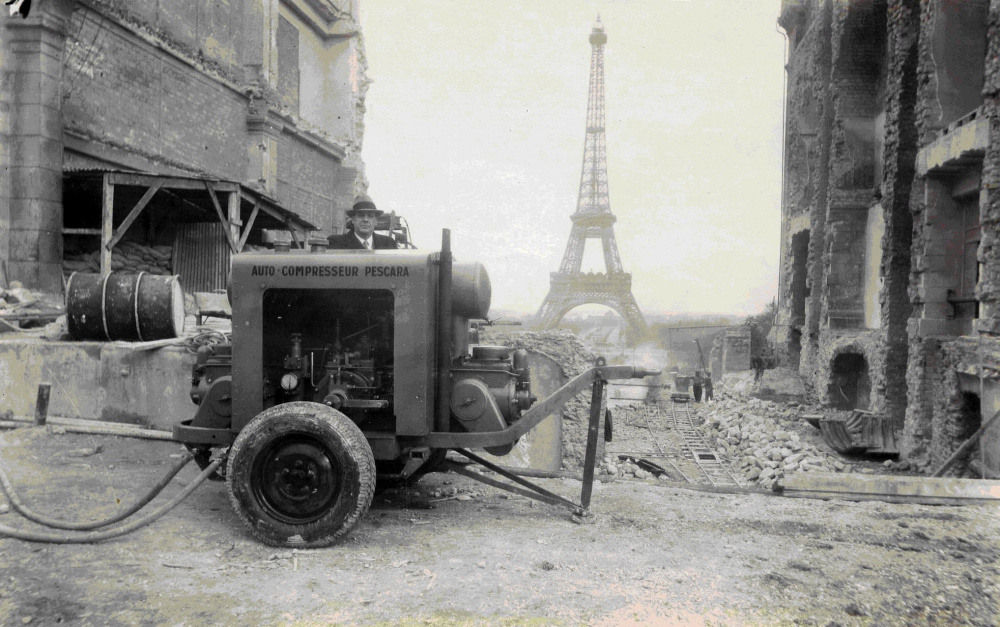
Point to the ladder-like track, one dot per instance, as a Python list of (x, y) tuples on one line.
[(715, 469)]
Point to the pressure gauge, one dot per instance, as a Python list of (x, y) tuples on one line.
[(289, 382)]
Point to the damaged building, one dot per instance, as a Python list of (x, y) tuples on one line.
[(161, 136), (889, 298)]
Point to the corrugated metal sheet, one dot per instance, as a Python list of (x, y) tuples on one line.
[(201, 256)]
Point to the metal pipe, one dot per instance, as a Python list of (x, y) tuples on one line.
[(500, 471), (442, 415), (42, 403)]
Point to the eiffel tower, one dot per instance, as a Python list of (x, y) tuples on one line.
[(570, 288)]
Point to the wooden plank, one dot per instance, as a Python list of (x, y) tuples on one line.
[(891, 488), (246, 229), (33, 314), (295, 234), (136, 210), (967, 445), (234, 220), (107, 224), (270, 209), (222, 218), (170, 182), (150, 345), (82, 231), (837, 437)]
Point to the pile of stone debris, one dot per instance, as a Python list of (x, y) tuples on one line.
[(761, 438), (21, 308)]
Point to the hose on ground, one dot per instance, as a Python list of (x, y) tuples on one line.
[(98, 536), (55, 523)]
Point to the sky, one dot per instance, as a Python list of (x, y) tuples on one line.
[(476, 121)]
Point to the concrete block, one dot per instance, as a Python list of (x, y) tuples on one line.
[(146, 387), (37, 120), (33, 214), (36, 151), (98, 380), (928, 293), (71, 367), (36, 183), (928, 327), (35, 88)]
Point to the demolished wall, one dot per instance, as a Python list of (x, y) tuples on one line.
[(859, 57), (906, 128)]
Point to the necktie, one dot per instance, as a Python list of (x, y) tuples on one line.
[(368, 244)]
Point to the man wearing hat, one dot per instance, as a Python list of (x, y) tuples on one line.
[(363, 216)]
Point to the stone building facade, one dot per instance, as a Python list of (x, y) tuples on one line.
[(890, 264), (268, 94)]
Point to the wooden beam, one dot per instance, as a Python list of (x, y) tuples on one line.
[(295, 234), (267, 207), (233, 207), (218, 211), (107, 224), (136, 210), (967, 445), (170, 182), (246, 229), (82, 231), (891, 488), (188, 203)]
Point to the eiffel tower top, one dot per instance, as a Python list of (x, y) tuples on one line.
[(593, 199), (597, 36)]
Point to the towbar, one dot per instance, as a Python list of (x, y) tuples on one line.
[(538, 412)]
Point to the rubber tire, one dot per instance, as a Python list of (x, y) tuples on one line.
[(348, 449)]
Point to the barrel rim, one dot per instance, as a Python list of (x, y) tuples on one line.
[(104, 305), (135, 306)]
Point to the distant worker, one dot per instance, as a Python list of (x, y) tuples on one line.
[(757, 363), (364, 215), (696, 386), (708, 387)]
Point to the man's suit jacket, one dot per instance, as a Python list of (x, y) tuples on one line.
[(349, 241)]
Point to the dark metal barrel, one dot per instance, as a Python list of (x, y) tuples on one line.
[(124, 306)]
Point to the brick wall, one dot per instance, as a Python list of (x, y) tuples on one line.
[(121, 91), (306, 181)]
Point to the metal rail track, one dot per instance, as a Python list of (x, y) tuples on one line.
[(707, 460), (648, 415)]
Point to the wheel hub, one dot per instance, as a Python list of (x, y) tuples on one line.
[(296, 480)]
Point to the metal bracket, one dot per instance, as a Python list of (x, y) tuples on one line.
[(535, 492)]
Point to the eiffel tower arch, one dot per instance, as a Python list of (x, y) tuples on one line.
[(570, 287)]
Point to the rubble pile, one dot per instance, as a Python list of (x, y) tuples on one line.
[(626, 468), (21, 308), (127, 257), (755, 435), (573, 355)]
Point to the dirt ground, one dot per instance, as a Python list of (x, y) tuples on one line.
[(655, 554)]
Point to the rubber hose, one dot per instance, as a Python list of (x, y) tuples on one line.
[(98, 536), (55, 523)]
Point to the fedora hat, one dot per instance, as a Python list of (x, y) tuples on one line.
[(363, 203)]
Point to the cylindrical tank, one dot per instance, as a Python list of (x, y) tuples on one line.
[(471, 291), (124, 306)]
